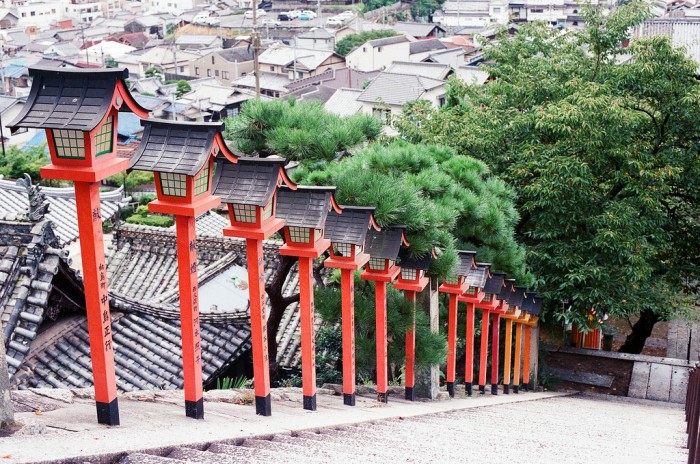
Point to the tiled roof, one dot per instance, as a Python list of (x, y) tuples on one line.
[(477, 277), (388, 41), (465, 262), (250, 181), (507, 290), (517, 297), (397, 89), (62, 210), (422, 46), (69, 98), (239, 54), (417, 29), (316, 33), (408, 262), (344, 102), (305, 206), (432, 70), (172, 146), (532, 303), (494, 284), (384, 243), (350, 226)]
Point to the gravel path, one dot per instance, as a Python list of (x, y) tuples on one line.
[(573, 429)]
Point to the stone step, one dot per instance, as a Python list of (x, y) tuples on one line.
[(143, 458), (253, 455), (203, 457)]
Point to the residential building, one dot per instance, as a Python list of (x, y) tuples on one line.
[(323, 86), (164, 59), (174, 6), (473, 14), (422, 49), (10, 107), (420, 30), (378, 54), (298, 63), (198, 42), (432, 70), (683, 31), (8, 19), (317, 38), (225, 65), (83, 11), (39, 13)]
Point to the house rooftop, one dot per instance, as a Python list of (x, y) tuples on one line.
[(388, 41), (344, 102), (417, 29), (422, 46), (397, 89), (432, 70), (236, 54)]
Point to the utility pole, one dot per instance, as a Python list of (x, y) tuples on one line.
[(255, 38), (82, 36)]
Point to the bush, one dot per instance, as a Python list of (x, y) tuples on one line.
[(156, 221)]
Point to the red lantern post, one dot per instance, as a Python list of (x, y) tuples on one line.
[(249, 187), (411, 280), (475, 294), (455, 286), (79, 110), (493, 303), (181, 154), (347, 232), (383, 248), (304, 212)]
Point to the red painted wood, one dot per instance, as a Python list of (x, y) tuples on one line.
[(483, 352), (258, 320), (381, 335), (189, 307), (410, 374), (347, 283), (308, 347), (526, 355), (469, 349), (87, 199), (495, 338), (451, 338)]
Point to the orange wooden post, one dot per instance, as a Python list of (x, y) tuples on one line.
[(79, 109), (507, 356), (495, 336), (249, 187), (411, 280), (305, 211), (347, 231), (381, 334), (347, 283), (451, 344), (518, 358), (483, 352), (526, 358), (469, 351), (87, 202)]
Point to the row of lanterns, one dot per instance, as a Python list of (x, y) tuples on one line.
[(195, 171)]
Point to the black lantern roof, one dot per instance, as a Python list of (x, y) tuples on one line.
[(505, 292), (75, 99), (406, 261), (249, 181), (306, 206), (177, 147), (531, 300), (536, 305), (477, 277), (386, 242), (350, 226), (495, 283), (517, 297), (465, 262)]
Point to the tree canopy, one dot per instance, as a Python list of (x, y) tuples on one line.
[(600, 144), (351, 41)]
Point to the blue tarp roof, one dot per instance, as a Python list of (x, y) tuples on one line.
[(128, 125)]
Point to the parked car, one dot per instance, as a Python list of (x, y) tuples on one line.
[(265, 5), (284, 17), (335, 22), (249, 14), (307, 15), (294, 14), (271, 22), (346, 15), (201, 19)]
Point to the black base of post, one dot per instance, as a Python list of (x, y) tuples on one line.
[(382, 397), (263, 405), (468, 388), (108, 413), (410, 396), (482, 389), (349, 399), (194, 409), (451, 389), (506, 389), (494, 389), (526, 387), (515, 389), (310, 403)]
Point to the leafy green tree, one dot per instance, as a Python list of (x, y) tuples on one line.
[(131, 180), (16, 162), (183, 87), (351, 41), (603, 157), (111, 63), (423, 9), (154, 72), (369, 5)]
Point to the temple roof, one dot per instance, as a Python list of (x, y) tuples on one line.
[(384, 243), (175, 147), (304, 207), (495, 283), (250, 181), (516, 298), (507, 289), (477, 277), (465, 263), (408, 262), (70, 98), (350, 226)]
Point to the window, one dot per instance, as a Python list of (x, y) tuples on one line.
[(24, 14), (244, 213), (201, 182), (243, 74), (33, 13), (196, 71), (382, 113), (471, 291), (173, 185), (376, 264), (53, 10), (267, 211), (224, 74), (379, 49), (272, 68), (364, 49), (496, 10), (408, 274), (182, 69), (342, 249), (299, 234), (216, 73), (69, 143), (103, 138), (208, 72), (487, 297), (441, 100), (212, 59), (537, 10), (454, 280)]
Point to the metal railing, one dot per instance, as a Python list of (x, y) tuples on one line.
[(692, 414)]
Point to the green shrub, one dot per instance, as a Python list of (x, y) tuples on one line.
[(156, 221)]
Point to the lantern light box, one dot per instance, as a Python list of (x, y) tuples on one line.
[(457, 282)]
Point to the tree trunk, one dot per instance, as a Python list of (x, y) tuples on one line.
[(278, 304), (641, 330)]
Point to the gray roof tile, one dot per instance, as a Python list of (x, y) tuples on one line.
[(305, 206), (397, 89), (477, 277), (507, 290), (516, 298), (250, 181), (494, 284), (422, 46), (384, 243), (350, 226), (409, 262), (465, 262)]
